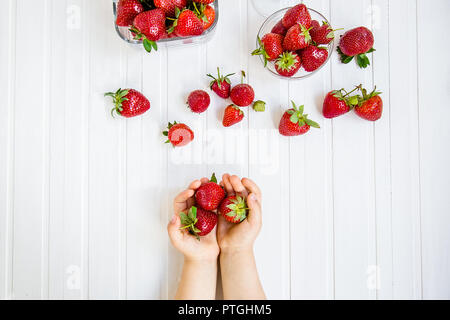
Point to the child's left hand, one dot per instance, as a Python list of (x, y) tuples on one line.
[(204, 250)]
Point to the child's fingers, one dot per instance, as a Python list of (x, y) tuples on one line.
[(255, 215), (195, 185), (253, 188), (180, 201), (238, 187), (227, 184), (204, 180), (173, 229)]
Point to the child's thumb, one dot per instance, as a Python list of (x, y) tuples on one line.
[(173, 228)]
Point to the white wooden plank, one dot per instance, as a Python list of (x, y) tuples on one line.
[(268, 167), (184, 164), (382, 135), (310, 195), (406, 253), (30, 143), (7, 63), (433, 87), (106, 187), (353, 151)]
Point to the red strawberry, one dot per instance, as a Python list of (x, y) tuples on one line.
[(370, 106), (270, 47), (337, 103), (199, 101), (288, 64), (210, 195), (128, 103), (313, 58), (279, 28), (150, 26), (233, 209), (295, 123), (296, 38), (169, 6), (356, 43), (179, 134), (204, 1), (321, 34), (242, 95), (186, 24), (221, 85), (232, 116), (199, 222), (206, 14), (297, 15), (127, 10)]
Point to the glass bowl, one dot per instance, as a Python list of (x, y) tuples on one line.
[(267, 26), (125, 34)]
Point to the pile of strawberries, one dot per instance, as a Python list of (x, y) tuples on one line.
[(153, 20), (296, 41), (211, 200)]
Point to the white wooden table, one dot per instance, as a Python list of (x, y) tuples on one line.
[(354, 210)]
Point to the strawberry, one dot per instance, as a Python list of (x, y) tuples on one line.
[(127, 10), (295, 123), (199, 101), (178, 134), (169, 6), (270, 47), (150, 26), (338, 102), (321, 34), (210, 195), (279, 28), (221, 85), (232, 116), (297, 15), (233, 209), (242, 95), (204, 1), (186, 24), (199, 222), (370, 106), (297, 38), (356, 43), (288, 64), (206, 14), (313, 58), (128, 103)]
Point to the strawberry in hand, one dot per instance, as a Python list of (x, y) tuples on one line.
[(357, 43), (128, 103), (221, 85), (210, 195), (233, 209), (199, 222), (295, 123)]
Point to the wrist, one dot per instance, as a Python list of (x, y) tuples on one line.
[(248, 250), (200, 260)]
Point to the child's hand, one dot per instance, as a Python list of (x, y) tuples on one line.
[(240, 237), (204, 250)]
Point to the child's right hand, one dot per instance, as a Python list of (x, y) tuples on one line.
[(240, 237)]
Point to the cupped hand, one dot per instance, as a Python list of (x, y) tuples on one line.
[(240, 237), (204, 250)]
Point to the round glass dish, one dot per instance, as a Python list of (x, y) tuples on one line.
[(125, 34), (266, 28)]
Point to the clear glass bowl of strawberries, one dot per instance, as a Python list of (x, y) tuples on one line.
[(152, 23), (295, 43)]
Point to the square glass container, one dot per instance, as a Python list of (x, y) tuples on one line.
[(125, 34)]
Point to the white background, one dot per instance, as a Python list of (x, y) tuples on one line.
[(354, 210)]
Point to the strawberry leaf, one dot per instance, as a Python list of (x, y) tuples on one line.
[(363, 61)]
